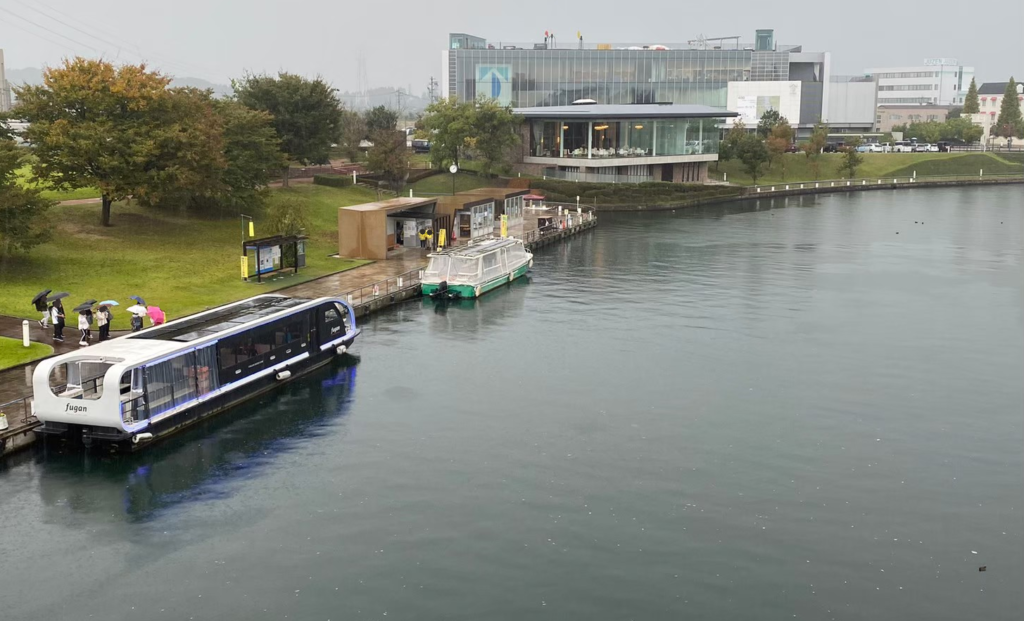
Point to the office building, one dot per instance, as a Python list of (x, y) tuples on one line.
[(941, 81), (889, 116), (720, 73)]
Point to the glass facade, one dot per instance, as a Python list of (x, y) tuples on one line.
[(624, 138), (526, 78)]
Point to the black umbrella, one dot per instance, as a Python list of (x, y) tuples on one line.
[(84, 306), (57, 296), (39, 297), (137, 299)]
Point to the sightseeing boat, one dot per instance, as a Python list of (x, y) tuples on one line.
[(473, 270), (133, 389)]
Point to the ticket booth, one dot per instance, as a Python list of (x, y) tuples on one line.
[(509, 202), (371, 230)]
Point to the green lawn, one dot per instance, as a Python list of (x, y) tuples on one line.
[(25, 178), (442, 184), (798, 166), (12, 352), (180, 263)]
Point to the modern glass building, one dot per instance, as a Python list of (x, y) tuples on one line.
[(699, 72), (660, 142)]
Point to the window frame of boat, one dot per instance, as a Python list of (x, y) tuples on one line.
[(232, 367), (467, 277), (437, 273)]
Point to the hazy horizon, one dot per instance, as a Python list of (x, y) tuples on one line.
[(219, 42)]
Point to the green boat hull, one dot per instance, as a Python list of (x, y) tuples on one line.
[(467, 291)]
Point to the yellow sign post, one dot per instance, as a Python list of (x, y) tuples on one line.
[(504, 225), (441, 238), (252, 229), (245, 267)]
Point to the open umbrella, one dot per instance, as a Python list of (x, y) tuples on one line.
[(84, 306), (39, 297), (137, 299), (109, 303), (57, 296), (137, 310)]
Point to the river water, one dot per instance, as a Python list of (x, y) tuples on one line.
[(805, 408)]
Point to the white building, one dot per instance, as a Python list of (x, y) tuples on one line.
[(5, 87), (990, 102), (941, 81)]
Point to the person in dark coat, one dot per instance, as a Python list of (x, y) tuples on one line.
[(103, 319), (57, 316)]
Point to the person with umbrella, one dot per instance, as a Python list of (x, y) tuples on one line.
[(105, 317), (85, 320), (138, 311), (57, 315), (39, 301)]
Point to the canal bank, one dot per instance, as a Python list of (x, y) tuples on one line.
[(368, 289)]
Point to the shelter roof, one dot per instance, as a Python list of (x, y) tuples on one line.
[(395, 204), (625, 111)]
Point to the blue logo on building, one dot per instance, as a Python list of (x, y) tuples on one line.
[(494, 82)]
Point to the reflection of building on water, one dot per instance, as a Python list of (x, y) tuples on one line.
[(466, 318), (198, 462)]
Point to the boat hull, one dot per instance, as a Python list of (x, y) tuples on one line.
[(117, 439), (475, 291)]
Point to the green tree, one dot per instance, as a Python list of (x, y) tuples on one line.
[(252, 152), (851, 157), (389, 158), (495, 131), (23, 222), (353, 131), (777, 143), (449, 123), (815, 145), (971, 105), (307, 113), (380, 119), (961, 129), (727, 149), (753, 154), (955, 112), (768, 121), (1009, 123), (92, 125)]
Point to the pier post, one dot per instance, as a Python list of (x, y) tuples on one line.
[(25, 333)]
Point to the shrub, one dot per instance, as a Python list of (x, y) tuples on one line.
[(334, 181)]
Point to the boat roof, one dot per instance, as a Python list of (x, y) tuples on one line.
[(220, 320), (475, 249)]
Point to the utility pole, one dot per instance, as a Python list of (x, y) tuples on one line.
[(432, 89)]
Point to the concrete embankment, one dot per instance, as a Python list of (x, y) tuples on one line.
[(820, 187)]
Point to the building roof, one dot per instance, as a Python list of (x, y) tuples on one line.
[(625, 111), (496, 193), (395, 204), (993, 88)]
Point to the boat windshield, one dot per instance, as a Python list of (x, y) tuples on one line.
[(438, 266), (466, 268)]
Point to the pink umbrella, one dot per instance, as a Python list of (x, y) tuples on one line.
[(155, 315)]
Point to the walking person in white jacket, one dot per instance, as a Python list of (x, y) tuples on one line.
[(85, 326)]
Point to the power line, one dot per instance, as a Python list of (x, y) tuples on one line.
[(25, 19), (39, 36)]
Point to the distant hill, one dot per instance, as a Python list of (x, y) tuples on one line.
[(33, 75)]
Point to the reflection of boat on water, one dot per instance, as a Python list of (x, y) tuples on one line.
[(464, 317), (197, 463), (473, 270)]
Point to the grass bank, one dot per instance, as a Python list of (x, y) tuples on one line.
[(629, 195), (798, 166), (24, 176), (182, 263), (12, 353), (442, 184)]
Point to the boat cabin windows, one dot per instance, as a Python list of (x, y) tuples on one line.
[(332, 322), (465, 269), (169, 383), (438, 266), (262, 347), (79, 379), (493, 264), (516, 254)]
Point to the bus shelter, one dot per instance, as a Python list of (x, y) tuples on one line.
[(273, 254)]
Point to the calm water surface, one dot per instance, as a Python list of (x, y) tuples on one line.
[(767, 411)]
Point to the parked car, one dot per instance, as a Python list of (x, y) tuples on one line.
[(886, 147), (832, 148), (923, 147), (420, 146), (792, 148), (864, 148), (903, 146)]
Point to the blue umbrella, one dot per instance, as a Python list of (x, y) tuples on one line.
[(138, 299), (109, 303)]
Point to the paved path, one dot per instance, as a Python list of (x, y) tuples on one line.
[(337, 284)]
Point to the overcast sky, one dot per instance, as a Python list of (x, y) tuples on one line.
[(402, 41)]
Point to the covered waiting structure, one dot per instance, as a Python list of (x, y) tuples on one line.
[(369, 230)]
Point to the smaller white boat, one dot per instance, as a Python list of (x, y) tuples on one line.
[(473, 270)]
